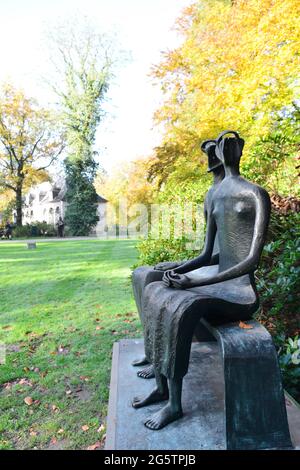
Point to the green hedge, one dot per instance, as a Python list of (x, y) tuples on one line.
[(38, 229)]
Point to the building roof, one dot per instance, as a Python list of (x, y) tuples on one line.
[(53, 193), (101, 199)]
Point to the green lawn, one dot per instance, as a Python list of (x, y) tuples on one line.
[(62, 307)]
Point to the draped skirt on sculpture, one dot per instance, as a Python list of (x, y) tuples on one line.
[(169, 316)]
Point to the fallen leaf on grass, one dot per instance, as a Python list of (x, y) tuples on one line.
[(6, 327), (54, 408), (60, 431), (68, 392), (85, 378), (63, 350), (71, 329), (85, 427), (94, 446), (25, 382), (102, 427), (53, 440), (244, 325), (28, 401)]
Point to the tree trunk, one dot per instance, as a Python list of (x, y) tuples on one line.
[(19, 203)]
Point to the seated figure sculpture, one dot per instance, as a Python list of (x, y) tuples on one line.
[(144, 275), (239, 212)]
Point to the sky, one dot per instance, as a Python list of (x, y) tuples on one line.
[(143, 28)]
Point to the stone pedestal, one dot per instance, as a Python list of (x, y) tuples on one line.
[(202, 426)]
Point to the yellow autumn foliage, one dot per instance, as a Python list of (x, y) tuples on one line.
[(238, 65)]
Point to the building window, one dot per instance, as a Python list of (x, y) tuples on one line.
[(51, 215)]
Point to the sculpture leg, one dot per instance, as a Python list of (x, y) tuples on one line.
[(172, 411), (141, 277), (159, 393), (140, 362)]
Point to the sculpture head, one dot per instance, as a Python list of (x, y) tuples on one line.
[(209, 147), (229, 149)]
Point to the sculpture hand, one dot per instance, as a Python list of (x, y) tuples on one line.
[(167, 278), (166, 265), (180, 281)]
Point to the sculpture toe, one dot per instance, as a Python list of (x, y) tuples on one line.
[(135, 402), (147, 373)]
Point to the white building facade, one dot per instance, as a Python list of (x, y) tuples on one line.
[(45, 203)]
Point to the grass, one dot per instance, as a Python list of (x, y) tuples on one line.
[(63, 306)]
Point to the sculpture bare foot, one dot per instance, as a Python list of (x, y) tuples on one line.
[(140, 362), (147, 373), (163, 417), (154, 397)]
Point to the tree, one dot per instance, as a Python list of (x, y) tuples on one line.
[(30, 140), (237, 67), (128, 180), (84, 59)]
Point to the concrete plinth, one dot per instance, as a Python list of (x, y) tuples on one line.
[(202, 426)]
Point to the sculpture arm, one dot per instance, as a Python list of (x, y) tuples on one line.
[(250, 263), (204, 259), (214, 259)]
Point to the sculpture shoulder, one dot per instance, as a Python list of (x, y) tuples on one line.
[(242, 184), (258, 191), (209, 193), (208, 198), (238, 188)]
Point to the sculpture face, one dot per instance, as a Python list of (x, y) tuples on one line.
[(209, 147), (229, 149)]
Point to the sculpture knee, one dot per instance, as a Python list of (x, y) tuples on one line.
[(139, 274), (153, 276)]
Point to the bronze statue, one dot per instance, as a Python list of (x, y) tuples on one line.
[(239, 212), (144, 275)]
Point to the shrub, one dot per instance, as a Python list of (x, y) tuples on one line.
[(22, 232), (278, 278), (37, 229), (153, 251), (289, 360)]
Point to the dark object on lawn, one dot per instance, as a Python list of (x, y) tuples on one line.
[(31, 245), (60, 227), (7, 231), (239, 212)]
